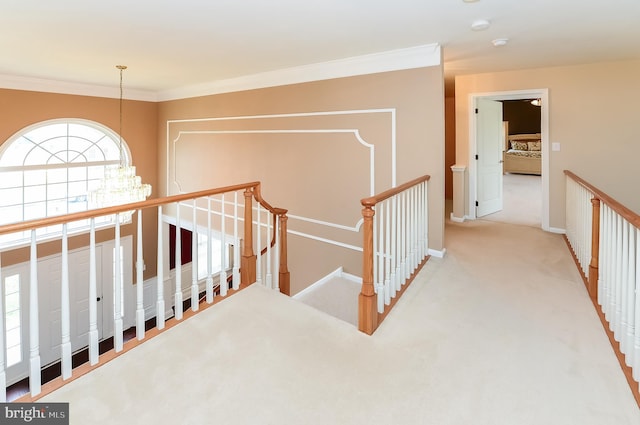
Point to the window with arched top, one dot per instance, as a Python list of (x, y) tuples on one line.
[(48, 168)]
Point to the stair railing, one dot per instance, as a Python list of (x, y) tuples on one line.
[(395, 247), (227, 212), (604, 237)]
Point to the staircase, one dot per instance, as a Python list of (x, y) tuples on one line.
[(336, 295)]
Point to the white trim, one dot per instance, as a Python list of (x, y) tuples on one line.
[(557, 230), (543, 94), (456, 219), (337, 273), (357, 226), (354, 132), (393, 60), (328, 241), (436, 253), (16, 82)]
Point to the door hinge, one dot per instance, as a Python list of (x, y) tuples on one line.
[(476, 157), (477, 204), (476, 110)]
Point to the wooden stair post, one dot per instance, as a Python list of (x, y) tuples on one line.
[(284, 275), (367, 310), (248, 261)]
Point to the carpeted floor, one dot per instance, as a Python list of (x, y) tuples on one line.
[(522, 201), (499, 332)]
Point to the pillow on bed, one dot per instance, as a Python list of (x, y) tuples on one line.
[(519, 146), (534, 145)]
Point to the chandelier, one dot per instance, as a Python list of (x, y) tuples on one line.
[(120, 184)]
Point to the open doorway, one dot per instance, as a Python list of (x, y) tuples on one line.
[(513, 193), (521, 163)]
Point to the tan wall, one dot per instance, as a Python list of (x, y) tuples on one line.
[(20, 109), (319, 175), (593, 114), (450, 144)]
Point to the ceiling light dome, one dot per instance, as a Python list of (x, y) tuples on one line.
[(480, 25)]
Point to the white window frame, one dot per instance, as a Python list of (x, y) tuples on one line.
[(117, 152)]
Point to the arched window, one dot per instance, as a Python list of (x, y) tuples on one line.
[(48, 168)]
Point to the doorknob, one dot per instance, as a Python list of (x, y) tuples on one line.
[(99, 298)]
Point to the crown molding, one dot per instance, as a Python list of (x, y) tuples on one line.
[(393, 60), (15, 82)]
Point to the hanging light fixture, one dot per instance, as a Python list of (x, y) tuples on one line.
[(120, 184)]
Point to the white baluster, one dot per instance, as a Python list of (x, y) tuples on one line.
[(395, 282), (612, 268), (426, 218), (636, 344), (35, 385), (387, 252), (177, 296), (209, 282), (602, 252), (118, 329), (3, 330), (139, 281), (259, 243), (160, 275), (380, 253), (236, 245), (195, 293), (269, 283), (276, 255), (65, 321), (615, 325), (224, 285), (405, 237), (607, 265), (622, 324), (630, 288), (93, 297)]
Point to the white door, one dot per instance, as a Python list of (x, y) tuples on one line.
[(488, 156), (49, 271), (15, 291)]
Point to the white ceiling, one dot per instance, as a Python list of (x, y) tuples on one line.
[(171, 44)]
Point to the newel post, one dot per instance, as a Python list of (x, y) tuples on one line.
[(367, 310), (595, 248), (284, 275), (248, 261)]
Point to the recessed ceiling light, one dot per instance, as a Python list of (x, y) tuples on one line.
[(499, 42), (480, 25), (469, 1)]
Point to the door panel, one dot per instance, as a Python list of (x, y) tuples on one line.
[(489, 160)]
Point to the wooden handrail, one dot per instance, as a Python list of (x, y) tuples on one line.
[(616, 206), (369, 318), (591, 279), (371, 201), (98, 212)]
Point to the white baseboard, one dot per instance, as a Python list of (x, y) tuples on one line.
[(456, 219), (339, 272), (436, 253), (557, 230)]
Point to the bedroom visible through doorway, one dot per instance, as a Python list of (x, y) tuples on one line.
[(522, 177)]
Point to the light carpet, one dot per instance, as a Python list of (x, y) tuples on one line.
[(500, 331), (522, 201)]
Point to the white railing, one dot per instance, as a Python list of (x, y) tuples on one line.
[(605, 239), (395, 246), (225, 215)]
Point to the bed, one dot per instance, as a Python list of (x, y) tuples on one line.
[(523, 154)]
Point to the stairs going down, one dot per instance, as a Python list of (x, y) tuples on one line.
[(336, 295)]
